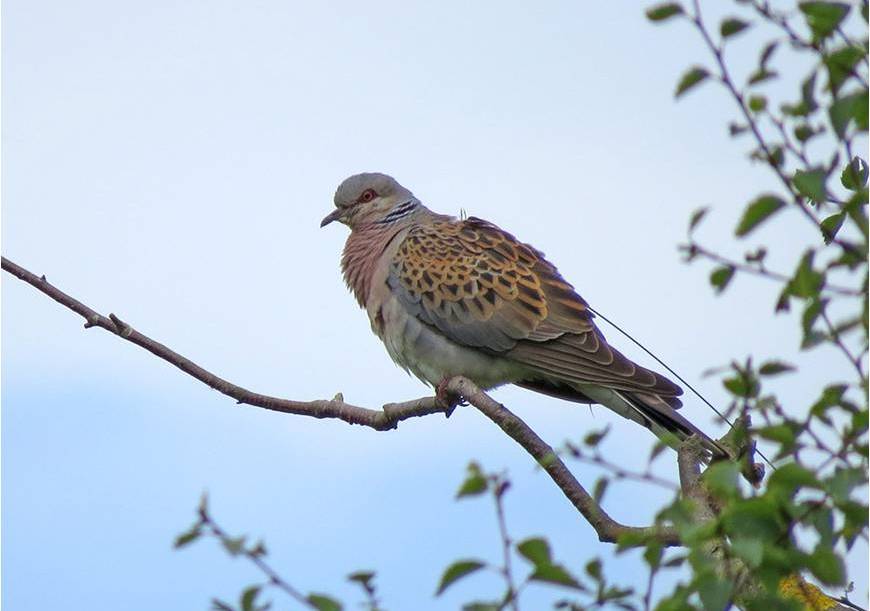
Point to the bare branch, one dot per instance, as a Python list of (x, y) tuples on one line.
[(380, 420), (385, 419)]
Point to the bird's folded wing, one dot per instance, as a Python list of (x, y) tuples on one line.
[(482, 288)]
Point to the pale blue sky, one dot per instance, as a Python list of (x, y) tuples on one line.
[(170, 162)]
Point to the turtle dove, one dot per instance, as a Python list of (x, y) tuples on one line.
[(463, 297)]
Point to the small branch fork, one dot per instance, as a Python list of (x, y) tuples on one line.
[(387, 418)]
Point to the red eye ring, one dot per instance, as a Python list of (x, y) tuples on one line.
[(367, 196)]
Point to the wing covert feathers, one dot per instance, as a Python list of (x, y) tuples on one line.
[(481, 287)]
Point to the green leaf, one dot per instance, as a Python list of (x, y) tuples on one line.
[(593, 569), (808, 104), (761, 75), (678, 600), (824, 17), (722, 479), (757, 212), (831, 225), (557, 574), (247, 601), (482, 606), (791, 477), (475, 482), (781, 433), (720, 277), (653, 554), (364, 578), (715, 592), (811, 184), (594, 438), (750, 550), (846, 109), (757, 518), (600, 489), (808, 94), (456, 571), (813, 339), (777, 156), (772, 368), (234, 545), (843, 482), (822, 519), (757, 103), (804, 132), (767, 53), (536, 550), (806, 282), (735, 129), (854, 176), (321, 602), (680, 513), (841, 65), (697, 217), (811, 313), (827, 566), (662, 12), (658, 448), (188, 537), (691, 78), (855, 520), (732, 26)]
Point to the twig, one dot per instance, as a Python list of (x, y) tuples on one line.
[(385, 419), (725, 78), (274, 578), (786, 140), (498, 493), (647, 595), (835, 335), (694, 249), (796, 40), (619, 472)]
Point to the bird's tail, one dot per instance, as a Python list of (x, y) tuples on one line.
[(650, 411)]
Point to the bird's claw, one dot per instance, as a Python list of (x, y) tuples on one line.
[(447, 399)]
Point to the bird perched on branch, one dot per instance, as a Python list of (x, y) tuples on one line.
[(455, 297)]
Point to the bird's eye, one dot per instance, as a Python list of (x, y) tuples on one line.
[(367, 196)]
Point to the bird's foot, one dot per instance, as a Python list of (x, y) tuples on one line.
[(446, 398)]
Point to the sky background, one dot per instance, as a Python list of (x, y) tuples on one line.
[(170, 162)]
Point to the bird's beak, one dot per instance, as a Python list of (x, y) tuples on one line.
[(335, 215)]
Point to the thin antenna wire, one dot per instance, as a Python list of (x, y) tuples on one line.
[(674, 373)]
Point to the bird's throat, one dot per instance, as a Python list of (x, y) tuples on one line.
[(363, 248)]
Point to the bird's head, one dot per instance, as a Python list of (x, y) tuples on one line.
[(370, 198)]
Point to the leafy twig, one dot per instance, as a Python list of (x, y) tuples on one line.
[(694, 249)]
